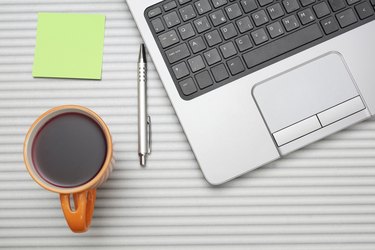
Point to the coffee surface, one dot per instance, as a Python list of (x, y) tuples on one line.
[(69, 150)]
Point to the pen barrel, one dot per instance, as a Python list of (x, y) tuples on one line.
[(142, 108)]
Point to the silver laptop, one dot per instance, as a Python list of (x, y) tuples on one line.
[(253, 80)]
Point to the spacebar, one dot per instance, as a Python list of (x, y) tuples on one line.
[(282, 45)]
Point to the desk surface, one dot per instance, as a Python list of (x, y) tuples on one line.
[(322, 197)]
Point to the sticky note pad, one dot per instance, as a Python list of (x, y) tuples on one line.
[(69, 46)]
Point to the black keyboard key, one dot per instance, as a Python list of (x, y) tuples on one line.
[(212, 56), (282, 45), (235, 66), (196, 63), (260, 17), (233, 11), (172, 19), (248, 5), (350, 2), (187, 13), (203, 6), (264, 2), (184, 1), (306, 16), (337, 4), (218, 18), (154, 12), (364, 10), (186, 31), (346, 18), (228, 50), (275, 11), (372, 2), (177, 53), (307, 2), (168, 39), (204, 80), (329, 25), (188, 87), (218, 3), (321, 10), (169, 6), (158, 25), (290, 23), (180, 70), (244, 43), (202, 24), (197, 44), (219, 73), (213, 38), (244, 24), (290, 5), (275, 29), (228, 31), (259, 36)]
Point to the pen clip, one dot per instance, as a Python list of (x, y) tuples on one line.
[(148, 134)]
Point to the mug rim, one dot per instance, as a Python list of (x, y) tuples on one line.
[(68, 190)]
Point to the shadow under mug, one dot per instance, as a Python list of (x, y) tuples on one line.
[(84, 196)]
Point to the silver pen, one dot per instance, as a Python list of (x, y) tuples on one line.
[(144, 120)]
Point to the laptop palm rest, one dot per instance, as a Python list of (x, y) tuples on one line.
[(307, 98)]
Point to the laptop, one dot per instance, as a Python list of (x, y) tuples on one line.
[(254, 80)]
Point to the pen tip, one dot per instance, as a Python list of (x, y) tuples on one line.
[(142, 53), (142, 160)]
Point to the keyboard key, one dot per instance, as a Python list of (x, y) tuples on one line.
[(306, 16), (196, 63), (177, 53), (275, 11), (259, 36), (264, 2), (187, 12), (244, 43), (183, 1), (218, 18), (228, 31), (364, 10), (202, 24), (180, 70), (197, 45), (212, 56), (218, 3), (172, 19), (248, 5), (321, 10), (372, 2), (169, 6), (275, 30), (346, 18), (204, 79), (203, 6), (158, 25), (228, 50), (186, 31), (290, 23), (337, 4), (233, 11), (329, 25), (235, 66), (188, 86), (154, 12), (244, 24), (350, 2), (307, 2), (282, 45), (219, 73), (290, 5), (213, 38), (260, 17), (168, 39)]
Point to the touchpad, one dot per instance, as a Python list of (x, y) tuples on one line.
[(305, 92)]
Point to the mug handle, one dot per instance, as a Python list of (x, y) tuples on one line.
[(79, 220)]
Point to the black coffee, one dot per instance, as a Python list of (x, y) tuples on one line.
[(69, 150)]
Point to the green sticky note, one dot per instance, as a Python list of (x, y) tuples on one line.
[(69, 46)]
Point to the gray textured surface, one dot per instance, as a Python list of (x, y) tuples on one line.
[(322, 197)]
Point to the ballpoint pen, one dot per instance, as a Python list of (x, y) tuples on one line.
[(144, 120)]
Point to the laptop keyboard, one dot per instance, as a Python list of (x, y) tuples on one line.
[(209, 43)]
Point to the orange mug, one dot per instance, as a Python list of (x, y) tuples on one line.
[(84, 195)]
